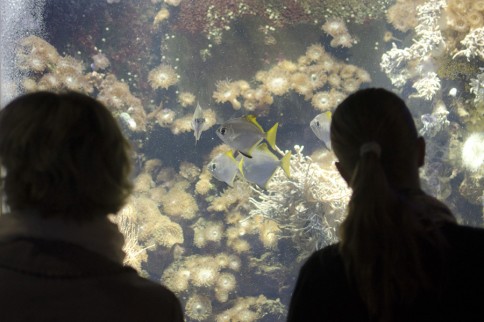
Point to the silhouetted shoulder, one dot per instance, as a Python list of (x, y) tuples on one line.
[(322, 292)]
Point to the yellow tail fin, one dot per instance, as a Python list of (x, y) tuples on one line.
[(285, 165), (271, 135)]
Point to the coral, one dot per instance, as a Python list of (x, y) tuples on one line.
[(401, 65), (474, 45), (162, 76), (477, 87), (135, 253), (189, 171), (307, 206)]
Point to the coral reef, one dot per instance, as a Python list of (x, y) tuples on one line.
[(307, 206), (416, 62)]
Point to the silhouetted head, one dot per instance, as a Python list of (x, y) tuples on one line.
[(64, 155), (377, 115)]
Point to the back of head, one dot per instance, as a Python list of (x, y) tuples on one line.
[(64, 155), (375, 115), (382, 237)]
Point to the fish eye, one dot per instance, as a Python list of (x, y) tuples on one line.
[(213, 166), (318, 124), (222, 130)]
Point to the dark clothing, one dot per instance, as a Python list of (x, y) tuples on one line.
[(43, 280), (322, 292)]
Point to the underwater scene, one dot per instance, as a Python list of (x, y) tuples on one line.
[(226, 222)]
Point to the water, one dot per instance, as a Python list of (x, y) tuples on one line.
[(234, 252)]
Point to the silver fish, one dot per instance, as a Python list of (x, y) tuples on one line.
[(224, 167), (245, 133), (320, 126), (198, 122), (261, 167)]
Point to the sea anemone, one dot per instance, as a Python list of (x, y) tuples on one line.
[(269, 234), (100, 61), (363, 76), (173, 3), (29, 85), (317, 76), (473, 152), (334, 27), (402, 15), (161, 16), (277, 82), (347, 71), (263, 96), (350, 85), (315, 52), (162, 76), (301, 83), (165, 117), (213, 231), (287, 66), (49, 82), (322, 101), (198, 307), (343, 40), (475, 19), (186, 99), (227, 92), (234, 263), (205, 273), (478, 5), (226, 282), (334, 80)]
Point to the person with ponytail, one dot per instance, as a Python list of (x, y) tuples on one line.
[(401, 256)]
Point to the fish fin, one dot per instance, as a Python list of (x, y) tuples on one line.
[(241, 167), (246, 154), (285, 165), (252, 119), (271, 135), (230, 154)]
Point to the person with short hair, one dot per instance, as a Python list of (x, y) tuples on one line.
[(67, 167), (401, 255)]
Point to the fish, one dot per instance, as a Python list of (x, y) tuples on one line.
[(224, 167), (198, 122), (244, 133), (261, 167), (320, 126)]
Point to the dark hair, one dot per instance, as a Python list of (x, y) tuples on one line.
[(64, 155), (386, 228)]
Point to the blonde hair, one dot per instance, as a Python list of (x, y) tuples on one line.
[(387, 226), (64, 155)]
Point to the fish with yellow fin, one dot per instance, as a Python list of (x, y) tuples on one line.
[(224, 167), (320, 126), (243, 134), (261, 167), (198, 122)]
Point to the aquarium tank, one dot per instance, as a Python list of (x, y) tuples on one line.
[(173, 71)]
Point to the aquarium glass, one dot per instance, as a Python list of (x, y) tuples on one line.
[(231, 249)]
